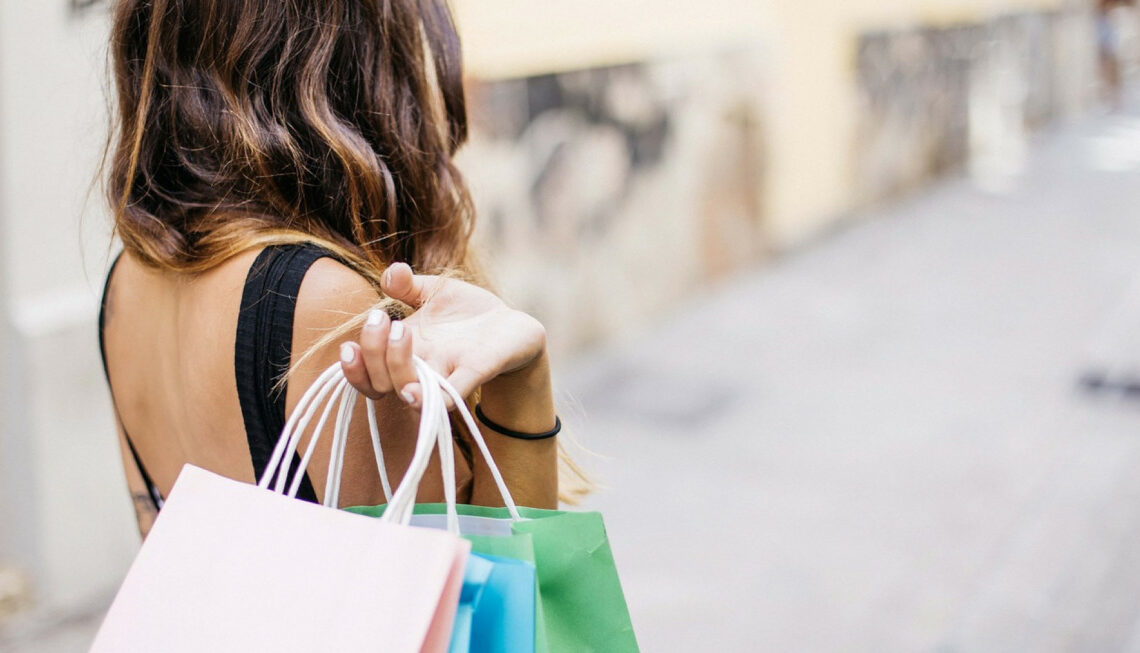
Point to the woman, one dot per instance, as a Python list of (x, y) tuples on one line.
[(278, 171)]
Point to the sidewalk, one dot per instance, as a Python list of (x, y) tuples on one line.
[(877, 443)]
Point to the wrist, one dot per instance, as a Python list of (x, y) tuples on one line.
[(522, 399)]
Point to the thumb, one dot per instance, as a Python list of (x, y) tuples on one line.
[(398, 282)]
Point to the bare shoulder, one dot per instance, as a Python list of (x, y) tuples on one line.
[(330, 295)]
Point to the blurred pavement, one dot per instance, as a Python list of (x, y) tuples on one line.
[(877, 443)]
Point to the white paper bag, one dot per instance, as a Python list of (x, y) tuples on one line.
[(234, 567)]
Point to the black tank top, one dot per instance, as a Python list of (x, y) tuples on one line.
[(262, 351)]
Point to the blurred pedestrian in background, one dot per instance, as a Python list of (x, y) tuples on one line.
[(1108, 50)]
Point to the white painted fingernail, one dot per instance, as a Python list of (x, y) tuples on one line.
[(347, 353), (375, 318), (397, 331), (408, 397)]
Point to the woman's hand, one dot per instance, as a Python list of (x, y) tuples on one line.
[(462, 331)]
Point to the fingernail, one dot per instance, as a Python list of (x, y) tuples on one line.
[(387, 281), (408, 397), (375, 318), (347, 353), (397, 331)]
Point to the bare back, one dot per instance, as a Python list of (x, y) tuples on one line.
[(170, 349)]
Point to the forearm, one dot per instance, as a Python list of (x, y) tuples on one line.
[(523, 401)]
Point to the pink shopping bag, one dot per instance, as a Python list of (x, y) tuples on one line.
[(234, 567)]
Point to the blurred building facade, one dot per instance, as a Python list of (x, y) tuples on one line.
[(624, 153), (644, 148)]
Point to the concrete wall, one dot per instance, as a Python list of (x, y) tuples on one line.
[(937, 100), (811, 120), (605, 195), (807, 113)]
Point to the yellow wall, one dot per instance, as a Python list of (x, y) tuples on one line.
[(811, 121), (510, 38)]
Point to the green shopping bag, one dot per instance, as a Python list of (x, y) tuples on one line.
[(580, 606), (581, 603)]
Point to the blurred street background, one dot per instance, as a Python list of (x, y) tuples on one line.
[(844, 296), (879, 443)]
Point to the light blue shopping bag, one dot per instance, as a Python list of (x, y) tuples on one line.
[(505, 616), (496, 612), (475, 577)]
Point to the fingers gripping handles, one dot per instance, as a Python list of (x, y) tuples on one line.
[(331, 389), (435, 430), (435, 426)]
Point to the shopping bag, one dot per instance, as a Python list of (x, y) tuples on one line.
[(503, 619), (496, 607), (581, 605), (517, 547), (475, 577), (230, 566)]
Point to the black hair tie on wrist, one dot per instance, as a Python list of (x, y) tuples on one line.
[(502, 430)]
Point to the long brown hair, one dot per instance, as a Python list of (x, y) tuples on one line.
[(243, 122)]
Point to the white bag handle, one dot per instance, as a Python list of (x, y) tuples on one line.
[(294, 426), (434, 430), (340, 439), (434, 425), (432, 386), (300, 475), (331, 380), (447, 462), (399, 509), (434, 422)]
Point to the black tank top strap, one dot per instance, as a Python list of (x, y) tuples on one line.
[(262, 352), (152, 489), (263, 348)]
